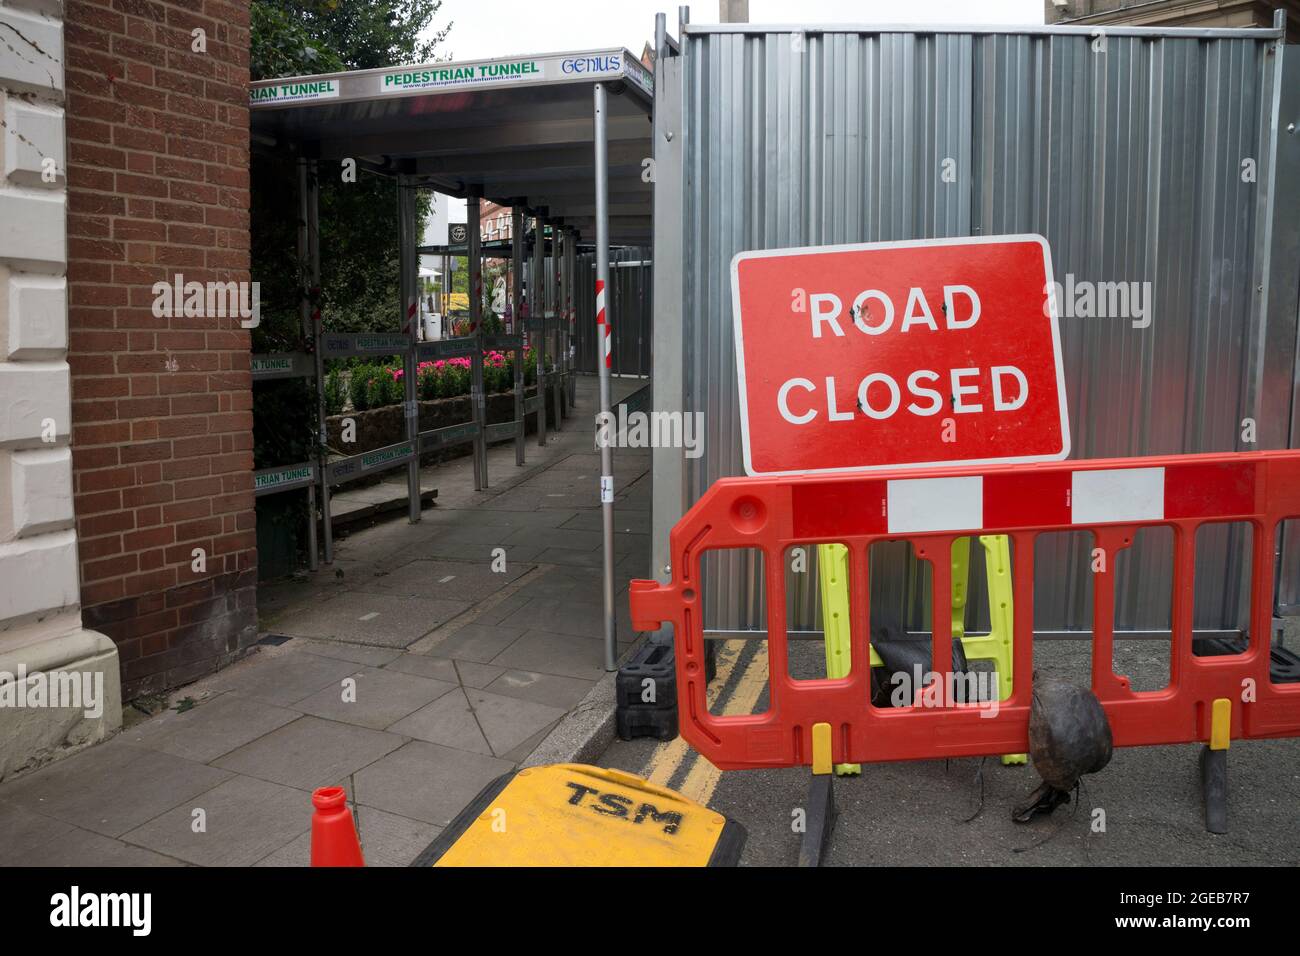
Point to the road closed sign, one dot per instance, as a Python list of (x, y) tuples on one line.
[(882, 355)]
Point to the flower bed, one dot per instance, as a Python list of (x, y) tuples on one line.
[(379, 427), (374, 385)]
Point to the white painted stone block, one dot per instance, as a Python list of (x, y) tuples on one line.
[(32, 395), (33, 143), (33, 230), (40, 491), (33, 57), (33, 316), (47, 567)]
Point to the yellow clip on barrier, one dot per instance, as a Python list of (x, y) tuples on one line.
[(996, 646)]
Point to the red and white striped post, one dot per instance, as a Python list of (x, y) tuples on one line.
[(606, 331)]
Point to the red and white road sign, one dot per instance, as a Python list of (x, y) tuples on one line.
[(890, 354)]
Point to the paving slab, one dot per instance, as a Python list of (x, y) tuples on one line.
[(509, 721), (631, 522), (469, 531), (282, 678), (549, 689), (525, 499), (500, 610), (521, 752), (473, 674), (516, 554), (386, 840), (467, 580), (310, 753), (24, 834), (580, 559), (276, 597), (545, 652), (477, 642), (581, 618), (359, 617), (569, 539), (448, 721), (356, 653), (422, 665), (212, 728), (428, 782), (391, 840), (111, 788), (243, 818), (512, 520), (378, 698), (83, 848)]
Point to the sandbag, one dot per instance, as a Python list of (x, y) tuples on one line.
[(1069, 736), (902, 654)]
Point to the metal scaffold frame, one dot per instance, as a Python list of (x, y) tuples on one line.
[(538, 145)]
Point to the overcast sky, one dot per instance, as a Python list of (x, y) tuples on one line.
[(485, 29)]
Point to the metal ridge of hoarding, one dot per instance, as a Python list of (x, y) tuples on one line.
[(1277, 31), (533, 70)]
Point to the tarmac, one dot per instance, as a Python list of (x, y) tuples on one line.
[(1143, 809)]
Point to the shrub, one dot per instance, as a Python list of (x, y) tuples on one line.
[(359, 386), (334, 392)]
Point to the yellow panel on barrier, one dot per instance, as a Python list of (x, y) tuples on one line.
[(576, 815), (1220, 724), (996, 646)]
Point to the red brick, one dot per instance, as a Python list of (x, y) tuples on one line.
[(159, 184)]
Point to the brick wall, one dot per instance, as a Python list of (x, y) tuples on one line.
[(161, 407)]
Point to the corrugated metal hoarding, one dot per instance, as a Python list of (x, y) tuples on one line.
[(1149, 159)]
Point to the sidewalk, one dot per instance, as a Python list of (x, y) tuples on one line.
[(411, 672)]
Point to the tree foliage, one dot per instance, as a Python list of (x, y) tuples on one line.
[(358, 220)]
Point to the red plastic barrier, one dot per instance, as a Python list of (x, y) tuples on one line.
[(932, 507)]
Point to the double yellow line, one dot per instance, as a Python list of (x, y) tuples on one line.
[(702, 778)]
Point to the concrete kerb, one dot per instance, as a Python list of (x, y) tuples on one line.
[(585, 732)]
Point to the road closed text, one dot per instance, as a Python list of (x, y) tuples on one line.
[(886, 354), (879, 395)]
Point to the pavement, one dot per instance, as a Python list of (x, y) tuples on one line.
[(418, 667), (1143, 809)]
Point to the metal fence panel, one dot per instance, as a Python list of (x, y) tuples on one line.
[(628, 308)]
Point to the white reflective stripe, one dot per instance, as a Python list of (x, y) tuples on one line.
[(936, 504), (600, 306), (1119, 494)]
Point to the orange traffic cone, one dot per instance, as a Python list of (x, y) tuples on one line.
[(333, 835)]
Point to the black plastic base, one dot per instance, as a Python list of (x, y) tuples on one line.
[(649, 678), (820, 818), (634, 722), (1283, 663), (1214, 788)]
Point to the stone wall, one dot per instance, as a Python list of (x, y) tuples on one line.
[(41, 633)]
